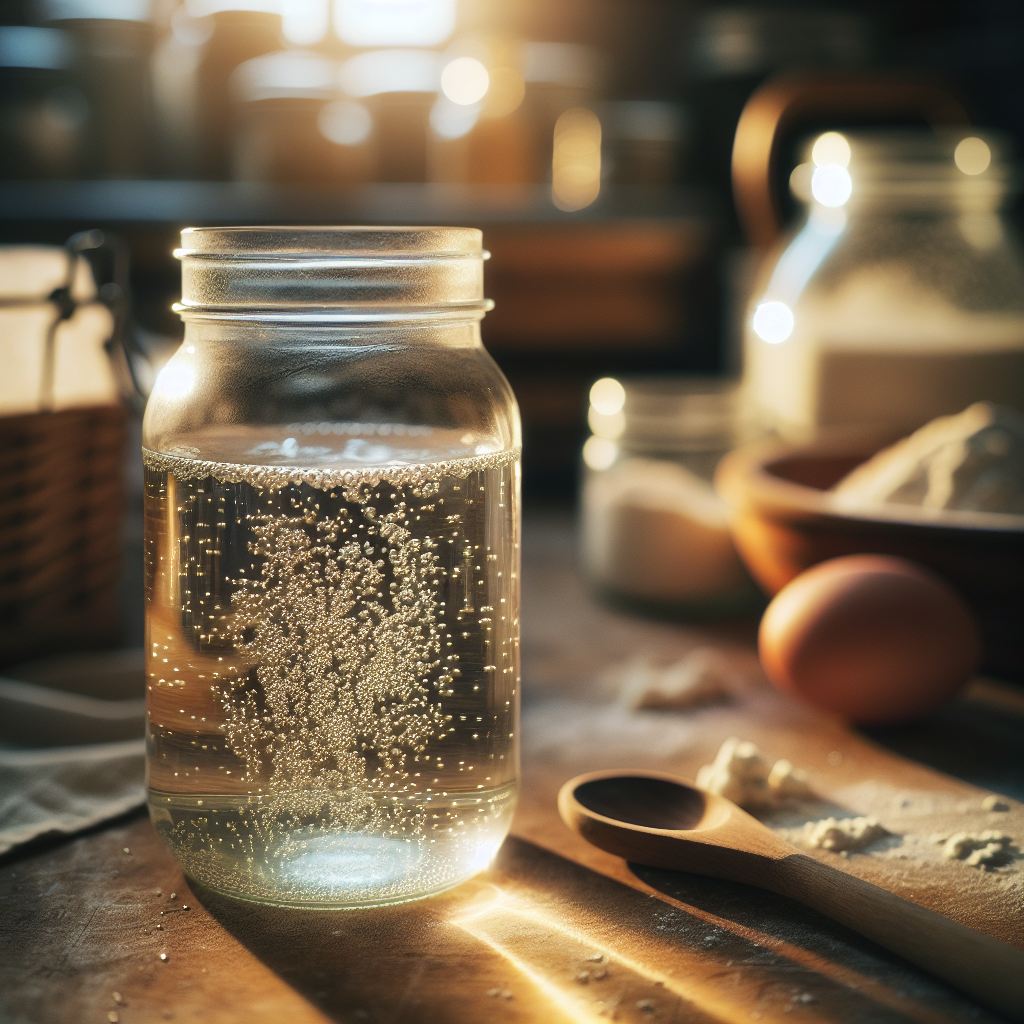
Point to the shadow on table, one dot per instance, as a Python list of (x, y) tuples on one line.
[(540, 938), (974, 740)]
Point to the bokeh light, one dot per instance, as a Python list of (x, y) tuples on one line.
[(831, 185), (972, 155), (576, 160), (345, 122), (465, 81), (607, 396), (773, 322), (599, 453), (831, 148)]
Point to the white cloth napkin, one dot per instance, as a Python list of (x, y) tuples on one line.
[(72, 752)]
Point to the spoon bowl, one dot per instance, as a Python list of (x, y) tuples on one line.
[(651, 801), (663, 821)]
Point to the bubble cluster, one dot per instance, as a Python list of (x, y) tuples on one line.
[(333, 673)]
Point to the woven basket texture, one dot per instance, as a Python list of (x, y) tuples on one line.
[(61, 512)]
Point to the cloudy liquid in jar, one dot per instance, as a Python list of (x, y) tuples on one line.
[(332, 674)]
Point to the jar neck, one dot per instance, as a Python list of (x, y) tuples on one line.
[(351, 336)]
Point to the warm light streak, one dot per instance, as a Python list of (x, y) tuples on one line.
[(516, 921), (573, 1011), (496, 910), (576, 160)]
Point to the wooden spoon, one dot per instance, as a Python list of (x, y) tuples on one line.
[(665, 822)]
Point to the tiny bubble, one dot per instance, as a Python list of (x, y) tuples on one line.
[(127, 850), (583, 977), (494, 992), (159, 928), (174, 895), (164, 957), (113, 1017)]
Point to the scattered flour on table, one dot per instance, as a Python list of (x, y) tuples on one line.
[(843, 835), (742, 774), (988, 849), (590, 736), (705, 676), (993, 803)]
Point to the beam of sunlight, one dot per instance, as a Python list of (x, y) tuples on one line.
[(518, 932), (541, 949)]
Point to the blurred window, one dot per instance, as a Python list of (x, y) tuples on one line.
[(394, 22), (23, 46), (108, 10)]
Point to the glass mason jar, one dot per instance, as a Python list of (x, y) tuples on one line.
[(332, 568), (901, 295), (655, 534)]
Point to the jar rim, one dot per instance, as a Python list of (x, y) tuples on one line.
[(332, 274), (331, 242)]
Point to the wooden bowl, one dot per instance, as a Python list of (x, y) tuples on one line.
[(786, 520)]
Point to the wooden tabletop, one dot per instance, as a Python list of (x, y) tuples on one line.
[(95, 928)]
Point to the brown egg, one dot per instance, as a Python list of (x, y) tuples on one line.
[(874, 638)]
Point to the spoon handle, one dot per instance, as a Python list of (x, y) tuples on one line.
[(990, 970)]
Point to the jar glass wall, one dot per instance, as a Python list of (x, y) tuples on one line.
[(656, 536), (332, 521)]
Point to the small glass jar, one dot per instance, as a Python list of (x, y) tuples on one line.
[(655, 534), (901, 295), (332, 568)]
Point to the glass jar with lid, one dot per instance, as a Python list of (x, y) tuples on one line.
[(332, 517), (900, 297), (655, 535)]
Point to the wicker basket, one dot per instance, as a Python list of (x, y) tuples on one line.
[(61, 512)]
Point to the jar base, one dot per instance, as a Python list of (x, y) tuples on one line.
[(267, 854), (268, 901)]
